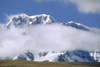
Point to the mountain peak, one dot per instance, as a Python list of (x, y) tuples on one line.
[(19, 15), (72, 22), (77, 25), (23, 19), (44, 15)]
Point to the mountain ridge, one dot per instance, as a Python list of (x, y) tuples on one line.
[(23, 19)]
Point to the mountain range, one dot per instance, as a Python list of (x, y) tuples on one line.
[(23, 20)]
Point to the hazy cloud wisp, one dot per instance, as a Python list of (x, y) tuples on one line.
[(85, 6)]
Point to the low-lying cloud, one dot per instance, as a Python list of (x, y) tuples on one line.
[(48, 37)]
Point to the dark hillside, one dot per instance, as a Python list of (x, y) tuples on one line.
[(17, 63)]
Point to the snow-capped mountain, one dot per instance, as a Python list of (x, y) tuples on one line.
[(96, 55), (76, 56), (66, 56), (23, 19), (77, 25), (63, 56)]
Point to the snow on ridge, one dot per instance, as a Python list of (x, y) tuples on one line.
[(21, 19), (70, 23), (17, 15), (38, 15)]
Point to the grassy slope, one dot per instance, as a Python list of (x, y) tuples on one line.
[(17, 63)]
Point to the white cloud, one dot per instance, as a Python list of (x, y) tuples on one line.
[(55, 37), (86, 6)]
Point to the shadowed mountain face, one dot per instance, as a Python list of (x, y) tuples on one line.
[(76, 56), (23, 20)]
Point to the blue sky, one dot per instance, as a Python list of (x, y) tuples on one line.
[(86, 12)]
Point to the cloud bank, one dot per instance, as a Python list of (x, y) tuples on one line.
[(85, 6), (49, 37)]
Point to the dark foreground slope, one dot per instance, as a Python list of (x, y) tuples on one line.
[(17, 63)]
